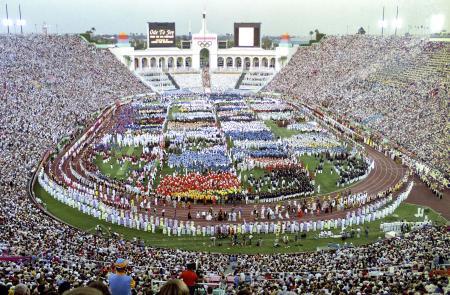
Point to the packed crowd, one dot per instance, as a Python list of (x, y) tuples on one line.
[(361, 78), (51, 84)]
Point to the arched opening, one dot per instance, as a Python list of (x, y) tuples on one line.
[(256, 62), (272, 62), (247, 63), (229, 62), (204, 58), (238, 62), (179, 62), (220, 62), (136, 63), (170, 62), (265, 62), (188, 62), (153, 62), (144, 63), (162, 62)]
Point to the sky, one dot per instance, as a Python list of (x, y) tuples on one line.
[(296, 17)]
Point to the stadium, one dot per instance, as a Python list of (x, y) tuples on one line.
[(249, 161)]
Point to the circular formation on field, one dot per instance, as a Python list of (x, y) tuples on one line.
[(211, 160)]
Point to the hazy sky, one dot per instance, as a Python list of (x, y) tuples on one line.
[(297, 17)]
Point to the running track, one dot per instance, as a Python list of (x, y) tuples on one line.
[(385, 175)]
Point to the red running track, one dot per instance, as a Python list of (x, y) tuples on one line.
[(385, 175)]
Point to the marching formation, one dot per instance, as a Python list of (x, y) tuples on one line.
[(196, 150)]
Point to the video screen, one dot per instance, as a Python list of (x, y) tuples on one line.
[(247, 34), (161, 34)]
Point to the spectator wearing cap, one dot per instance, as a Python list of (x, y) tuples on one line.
[(119, 282)]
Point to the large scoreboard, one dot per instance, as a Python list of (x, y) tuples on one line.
[(247, 34), (161, 34)]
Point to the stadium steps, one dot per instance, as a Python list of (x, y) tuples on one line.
[(157, 81), (239, 81), (173, 81), (255, 80)]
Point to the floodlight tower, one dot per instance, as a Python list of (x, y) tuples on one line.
[(20, 21), (382, 23), (6, 22), (396, 23)]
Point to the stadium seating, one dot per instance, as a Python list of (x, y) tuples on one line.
[(395, 86)]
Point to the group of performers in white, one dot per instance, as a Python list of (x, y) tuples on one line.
[(86, 202)]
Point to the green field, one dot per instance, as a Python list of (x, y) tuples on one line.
[(173, 109), (326, 180), (113, 169), (280, 132), (257, 173), (204, 244)]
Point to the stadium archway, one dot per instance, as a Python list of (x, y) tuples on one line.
[(247, 63), (136, 63), (220, 62), (265, 62), (144, 63), (238, 62), (170, 62), (153, 62), (180, 62), (256, 62), (272, 62), (188, 62), (229, 62), (162, 62), (204, 58)]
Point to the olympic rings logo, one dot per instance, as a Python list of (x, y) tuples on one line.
[(204, 44)]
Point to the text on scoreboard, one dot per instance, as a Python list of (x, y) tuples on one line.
[(161, 34)]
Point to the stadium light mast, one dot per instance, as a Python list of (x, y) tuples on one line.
[(382, 23), (20, 22), (6, 21), (397, 23)]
